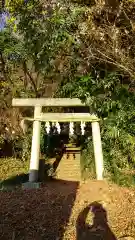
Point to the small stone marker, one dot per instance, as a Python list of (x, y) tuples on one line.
[(31, 185)]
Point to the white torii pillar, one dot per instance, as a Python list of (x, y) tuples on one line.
[(35, 148), (97, 150)]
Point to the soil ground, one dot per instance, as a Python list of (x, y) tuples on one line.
[(68, 210)]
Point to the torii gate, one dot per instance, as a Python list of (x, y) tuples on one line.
[(38, 103)]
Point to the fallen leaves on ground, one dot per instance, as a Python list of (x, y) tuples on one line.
[(52, 211)]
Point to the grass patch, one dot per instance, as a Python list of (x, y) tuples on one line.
[(12, 172), (127, 180), (10, 167), (112, 173)]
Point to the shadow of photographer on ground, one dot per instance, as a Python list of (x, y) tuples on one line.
[(99, 230)]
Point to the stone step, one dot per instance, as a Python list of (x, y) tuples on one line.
[(69, 168)]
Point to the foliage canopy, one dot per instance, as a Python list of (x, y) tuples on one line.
[(85, 47)]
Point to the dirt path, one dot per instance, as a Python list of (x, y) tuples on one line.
[(61, 210)]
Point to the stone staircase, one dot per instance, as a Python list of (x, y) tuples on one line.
[(69, 167)]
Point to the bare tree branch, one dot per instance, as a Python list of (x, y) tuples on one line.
[(30, 78), (116, 63)]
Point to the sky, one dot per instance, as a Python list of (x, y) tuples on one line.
[(3, 17)]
